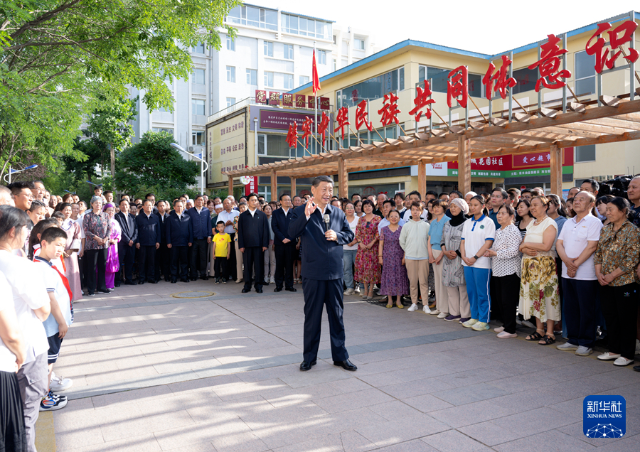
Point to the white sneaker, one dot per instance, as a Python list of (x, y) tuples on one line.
[(609, 356), (273, 280), (59, 384), (357, 290), (442, 315), (426, 309), (414, 307), (622, 361), (469, 323), (434, 312), (500, 329), (505, 335), (349, 291)]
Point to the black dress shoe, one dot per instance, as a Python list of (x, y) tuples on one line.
[(104, 291), (153, 281), (265, 283), (306, 365), (141, 281), (291, 289), (245, 290), (346, 365), (636, 368), (116, 285), (174, 280), (278, 289), (204, 278), (184, 279), (129, 283), (259, 290), (167, 279), (193, 279)]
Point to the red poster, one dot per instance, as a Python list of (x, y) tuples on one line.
[(274, 98), (324, 103), (312, 101), (252, 186), (287, 100), (261, 96), (301, 101)]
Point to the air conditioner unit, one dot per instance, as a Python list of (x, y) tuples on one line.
[(191, 149)]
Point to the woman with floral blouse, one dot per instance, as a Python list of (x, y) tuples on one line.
[(616, 259), (367, 266), (97, 230)]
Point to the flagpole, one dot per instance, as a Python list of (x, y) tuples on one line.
[(315, 93)]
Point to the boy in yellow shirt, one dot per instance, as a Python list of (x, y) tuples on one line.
[(222, 242)]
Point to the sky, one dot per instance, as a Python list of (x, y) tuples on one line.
[(489, 27)]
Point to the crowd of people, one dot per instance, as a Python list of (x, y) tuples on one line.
[(521, 258)]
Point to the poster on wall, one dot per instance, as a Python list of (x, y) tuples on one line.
[(226, 148)]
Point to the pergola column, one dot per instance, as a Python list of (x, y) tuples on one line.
[(274, 185), (556, 170), (343, 178), (293, 187), (464, 165), (230, 185), (422, 179)]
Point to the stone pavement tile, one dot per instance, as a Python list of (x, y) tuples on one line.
[(548, 441), (241, 389), (576, 431), (412, 427), (353, 400), (536, 421), (427, 403), (626, 444), (469, 394), (154, 392), (354, 419), (490, 432), (201, 433), (315, 376), (146, 423), (629, 392), (201, 447), (394, 410), (454, 441), (486, 410), (619, 376), (140, 443), (347, 441), (415, 445), (77, 438), (405, 390), (294, 396)]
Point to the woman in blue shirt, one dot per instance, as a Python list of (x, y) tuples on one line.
[(434, 247)]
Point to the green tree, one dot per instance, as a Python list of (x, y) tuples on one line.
[(57, 55), (152, 165)]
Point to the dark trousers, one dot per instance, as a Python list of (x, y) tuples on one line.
[(146, 262), (82, 264), (220, 267), (198, 260), (497, 313), (620, 309), (163, 259), (285, 255), (507, 293), (580, 310), (231, 262), (125, 254), (95, 259), (253, 257), (317, 294), (180, 256)]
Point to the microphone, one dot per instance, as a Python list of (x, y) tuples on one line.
[(326, 222)]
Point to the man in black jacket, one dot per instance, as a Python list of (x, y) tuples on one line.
[(253, 240), (162, 255), (126, 245), (285, 247), (148, 242), (179, 237)]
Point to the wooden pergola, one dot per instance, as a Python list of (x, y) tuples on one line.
[(546, 129)]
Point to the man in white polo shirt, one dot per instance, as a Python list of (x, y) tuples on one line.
[(576, 245)]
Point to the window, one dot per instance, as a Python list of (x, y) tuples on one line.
[(231, 74), (586, 153), (252, 77), (197, 107), (585, 73), (335, 39), (306, 27), (335, 64), (358, 44), (197, 138), (268, 48), (199, 48), (163, 130), (304, 79), (231, 101), (255, 17), (288, 52), (322, 57), (372, 89), (288, 81), (526, 80), (231, 44), (198, 76), (438, 78), (268, 79)]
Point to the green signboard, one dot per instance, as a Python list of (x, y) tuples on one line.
[(513, 173)]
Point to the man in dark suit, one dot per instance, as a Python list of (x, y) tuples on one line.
[(253, 240), (179, 237), (162, 255), (201, 223), (126, 245), (285, 247), (148, 242), (322, 270)]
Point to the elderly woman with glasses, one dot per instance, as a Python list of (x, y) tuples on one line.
[(97, 230), (367, 267)]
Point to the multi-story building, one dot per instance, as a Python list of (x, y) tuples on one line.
[(272, 51)]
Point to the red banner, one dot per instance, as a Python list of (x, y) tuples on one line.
[(261, 96), (251, 187), (287, 100)]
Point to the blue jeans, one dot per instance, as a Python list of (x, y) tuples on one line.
[(348, 261), (478, 291)]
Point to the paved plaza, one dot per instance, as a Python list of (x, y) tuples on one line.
[(201, 367)]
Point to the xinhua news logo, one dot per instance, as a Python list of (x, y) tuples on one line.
[(604, 416)]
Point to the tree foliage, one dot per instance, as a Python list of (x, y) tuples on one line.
[(152, 165), (56, 55)]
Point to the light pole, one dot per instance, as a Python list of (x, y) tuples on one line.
[(12, 171), (203, 169)]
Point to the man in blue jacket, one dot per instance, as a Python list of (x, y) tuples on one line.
[(148, 242), (179, 236), (253, 240), (201, 223), (285, 247), (126, 245), (322, 270), (163, 253)]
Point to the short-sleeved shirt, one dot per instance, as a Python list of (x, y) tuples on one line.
[(475, 234), (54, 284), (221, 241), (575, 237), (7, 358), (225, 216), (29, 293), (435, 232)]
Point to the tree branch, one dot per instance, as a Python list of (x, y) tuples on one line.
[(43, 18)]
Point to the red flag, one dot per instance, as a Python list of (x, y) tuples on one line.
[(316, 79)]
